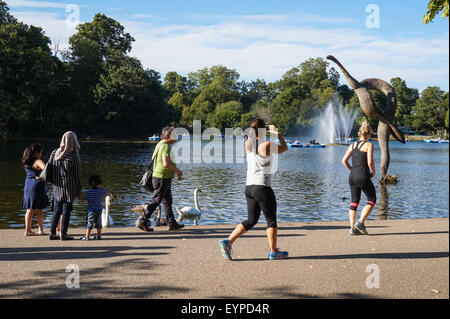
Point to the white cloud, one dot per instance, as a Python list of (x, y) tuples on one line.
[(268, 50), (35, 4), (53, 24)]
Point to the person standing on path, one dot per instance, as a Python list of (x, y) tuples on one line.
[(34, 194), (66, 182), (94, 198), (164, 170), (258, 191), (361, 171)]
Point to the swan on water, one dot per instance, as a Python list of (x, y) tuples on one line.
[(189, 212), (106, 218)]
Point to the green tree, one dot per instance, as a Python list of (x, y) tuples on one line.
[(27, 70), (213, 86), (227, 115), (434, 7), (204, 77), (175, 83), (345, 93), (5, 16), (430, 110), (130, 99), (302, 92), (406, 99), (98, 48), (252, 92), (113, 94)]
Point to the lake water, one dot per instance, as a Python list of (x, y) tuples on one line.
[(309, 184)]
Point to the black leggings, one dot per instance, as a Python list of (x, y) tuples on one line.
[(260, 198), (365, 185)]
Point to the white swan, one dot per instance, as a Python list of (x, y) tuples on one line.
[(106, 218), (189, 212)]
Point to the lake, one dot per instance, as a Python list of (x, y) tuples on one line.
[(309, 184)]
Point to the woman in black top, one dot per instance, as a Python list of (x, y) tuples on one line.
[(361, 171), (66, 182)]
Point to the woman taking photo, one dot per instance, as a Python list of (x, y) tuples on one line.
[(66, 182), (258, 191), (361, 171), (34, 194)]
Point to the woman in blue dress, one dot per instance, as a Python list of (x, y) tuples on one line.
[(34, 196)]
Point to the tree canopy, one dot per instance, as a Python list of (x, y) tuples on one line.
[(434, 7)]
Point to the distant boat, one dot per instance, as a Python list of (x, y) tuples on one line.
[(315, 145), (154, 138), (295, 144), (437, 140)]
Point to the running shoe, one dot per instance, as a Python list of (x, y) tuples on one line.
[(225, 247), (97, 237), (278, 254), (362, 228), (84, 238), (354, 232)]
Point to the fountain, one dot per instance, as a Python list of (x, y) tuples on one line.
[(335, 123)]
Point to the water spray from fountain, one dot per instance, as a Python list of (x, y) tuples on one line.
[(335, 123)]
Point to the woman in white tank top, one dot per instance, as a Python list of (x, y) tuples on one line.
[(258, 191)]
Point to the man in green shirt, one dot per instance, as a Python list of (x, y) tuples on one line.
[(163, 172)]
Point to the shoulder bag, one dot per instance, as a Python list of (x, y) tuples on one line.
[(146, 180), (47, 173)]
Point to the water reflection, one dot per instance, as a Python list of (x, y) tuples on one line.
[(383, 201)]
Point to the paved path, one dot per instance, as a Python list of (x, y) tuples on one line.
[(412, 257)]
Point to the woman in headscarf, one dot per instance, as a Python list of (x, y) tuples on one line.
[(66, 182)]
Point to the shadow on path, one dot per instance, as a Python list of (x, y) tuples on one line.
[(95, 282), (414, 255), (70, 252)]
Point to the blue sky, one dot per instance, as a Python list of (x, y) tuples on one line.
[(264, 39)]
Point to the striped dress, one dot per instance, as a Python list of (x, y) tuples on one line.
[(66, 177)]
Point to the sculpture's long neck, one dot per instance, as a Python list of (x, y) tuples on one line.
[(196, 200), (353, 83)]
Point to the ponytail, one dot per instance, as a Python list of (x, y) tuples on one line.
[(253, 134), (28, 155), (365, 130)]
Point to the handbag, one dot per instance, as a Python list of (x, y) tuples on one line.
[(146, 180), (47, 173)]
